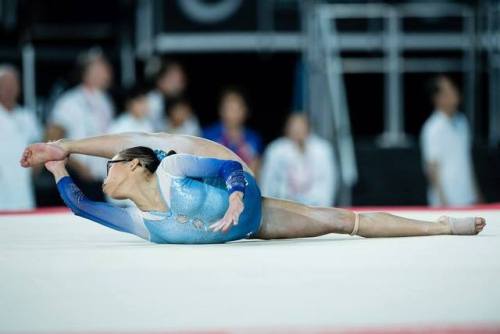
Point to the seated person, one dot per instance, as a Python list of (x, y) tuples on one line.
[(180, 118), (231, 130)]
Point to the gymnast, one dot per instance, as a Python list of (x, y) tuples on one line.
[(201, 192)]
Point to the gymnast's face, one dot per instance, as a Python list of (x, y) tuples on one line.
[(120, 172)]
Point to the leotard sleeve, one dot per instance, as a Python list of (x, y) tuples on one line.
[(120, 219)]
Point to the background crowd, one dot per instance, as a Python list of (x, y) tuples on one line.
[(299, 165)]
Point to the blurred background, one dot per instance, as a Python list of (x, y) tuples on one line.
[(346, 103)]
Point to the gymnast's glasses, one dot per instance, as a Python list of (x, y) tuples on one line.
[(110, 162)]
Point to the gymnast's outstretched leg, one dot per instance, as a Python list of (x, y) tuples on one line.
[(286, 219)]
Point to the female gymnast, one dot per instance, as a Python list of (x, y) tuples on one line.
[(206, 194)]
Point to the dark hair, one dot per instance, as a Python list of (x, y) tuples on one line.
[(136, 92), (87, 58), (148, 158), (168, 65), (434, 85), (235, 90), (175, 102), (298, 113)]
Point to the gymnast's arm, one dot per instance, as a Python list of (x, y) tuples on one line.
[(107, 146), (119, 219), (102, 146)]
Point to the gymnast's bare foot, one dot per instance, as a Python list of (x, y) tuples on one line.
[(463, 226), (42, 152)]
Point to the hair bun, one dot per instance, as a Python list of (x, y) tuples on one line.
[(160, 154)]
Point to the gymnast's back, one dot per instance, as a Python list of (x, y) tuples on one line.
[(196, 192)]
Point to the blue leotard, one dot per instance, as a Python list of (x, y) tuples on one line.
[(196, 191)]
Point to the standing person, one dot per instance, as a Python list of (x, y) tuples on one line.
[(18, 128), (446, 149), (299, 166), (190, 199), (83, 111), (231, 131)]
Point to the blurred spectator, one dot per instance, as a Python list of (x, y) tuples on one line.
[(446, 149), (85, 111), (180, 118), (18, 128), (300, 166), (231, 131), (170, 84), (135, 117)]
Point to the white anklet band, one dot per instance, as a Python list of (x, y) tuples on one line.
[(356, 224)]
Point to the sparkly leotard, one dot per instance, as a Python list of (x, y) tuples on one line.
[(195, 190)]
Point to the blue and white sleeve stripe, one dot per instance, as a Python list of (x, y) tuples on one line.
[(111, 216)]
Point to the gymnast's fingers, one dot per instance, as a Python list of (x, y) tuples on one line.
[(24, 158), (214, 225), (227, 225), (217, 226)]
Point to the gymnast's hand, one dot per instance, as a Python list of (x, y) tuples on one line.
[(58, 168), (233, 213), (40, 153)]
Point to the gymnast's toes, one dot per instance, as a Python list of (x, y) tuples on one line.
[(463, 226), (480, 223)]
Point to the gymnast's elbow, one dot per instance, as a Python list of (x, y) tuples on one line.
[(77, 211), (75, 206)]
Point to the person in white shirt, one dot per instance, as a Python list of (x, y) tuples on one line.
[(18, 127), (180, 118), (135, 118), (170, 83), (300, 166), (446, 149), (86, 110)]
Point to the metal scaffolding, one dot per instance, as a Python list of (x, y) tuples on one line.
[(389, 45), (327, 98), (383, 49)]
